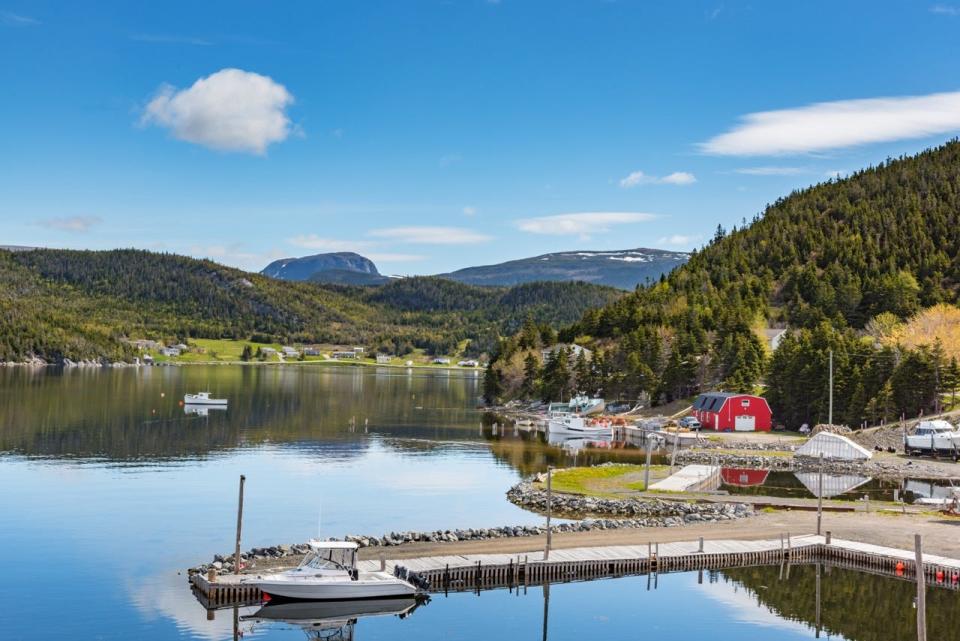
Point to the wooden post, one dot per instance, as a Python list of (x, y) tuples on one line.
[(646, 470), (236, 551), (546, 550), (820, 496), (828, 537), (701, 546), (818, 599), (676, 441), (921, 591), (383, 561)]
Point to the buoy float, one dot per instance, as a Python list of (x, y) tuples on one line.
[(900, 567), (955, 578), (939, 576)]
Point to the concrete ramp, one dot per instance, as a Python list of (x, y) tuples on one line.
[(690, 478)]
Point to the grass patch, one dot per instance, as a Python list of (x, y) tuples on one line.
[(604, 480)]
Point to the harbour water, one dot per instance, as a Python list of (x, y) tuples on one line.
[(111, 489)]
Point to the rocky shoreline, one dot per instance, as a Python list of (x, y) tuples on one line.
[(889, 468), (630, 513)]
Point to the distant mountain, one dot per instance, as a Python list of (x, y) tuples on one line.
[(311, 267), (624, 269), (348, 277)]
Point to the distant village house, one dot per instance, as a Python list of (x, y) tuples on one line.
[(573, 350)]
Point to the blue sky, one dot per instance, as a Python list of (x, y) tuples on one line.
[(433, 135)]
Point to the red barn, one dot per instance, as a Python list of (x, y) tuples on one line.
[(725, 412)]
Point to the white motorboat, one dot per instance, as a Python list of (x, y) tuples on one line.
[(578, 425), (329, 573), (934, 437), (202, 398)]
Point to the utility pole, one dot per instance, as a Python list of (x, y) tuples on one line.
[(546, 550), (236, 552), (819, 503), (830, 414)]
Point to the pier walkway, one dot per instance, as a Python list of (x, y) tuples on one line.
[(475, 572)]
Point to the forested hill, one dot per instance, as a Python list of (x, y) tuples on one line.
[(826, 262), (58, 304)]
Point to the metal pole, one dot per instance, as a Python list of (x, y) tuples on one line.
[(921, 591), (236, 551), (820, 496), (646, 470), (546, 551), (818, 599), (830, 415)]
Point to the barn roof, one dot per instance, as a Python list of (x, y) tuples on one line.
[(711, 400)]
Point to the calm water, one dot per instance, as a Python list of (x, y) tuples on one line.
[(110, 489)]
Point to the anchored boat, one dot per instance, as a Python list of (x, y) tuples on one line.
[(202, 398), (571, 424), (329, 573)]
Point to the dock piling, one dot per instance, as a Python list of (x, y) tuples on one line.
[(236, 553)]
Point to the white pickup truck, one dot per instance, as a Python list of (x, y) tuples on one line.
[(934, 437)]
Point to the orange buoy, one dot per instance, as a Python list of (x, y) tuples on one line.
[(939, 576), (900, 567)]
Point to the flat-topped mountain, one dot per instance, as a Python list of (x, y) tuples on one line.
[(624, 269), (312, 268)]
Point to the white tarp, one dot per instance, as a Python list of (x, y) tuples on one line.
[(834, 446)]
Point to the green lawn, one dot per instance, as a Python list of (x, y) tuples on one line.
[(605, 480)]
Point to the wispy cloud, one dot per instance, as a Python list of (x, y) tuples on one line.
[(161, 38), (76, 224), (639, 178), (16, 20), (678, 240), (945, 9), (769, 171), (835, 125), (230, 110), (424, 235), (469, 211), (582, 223)]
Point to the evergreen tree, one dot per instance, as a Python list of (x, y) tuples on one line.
[(247, 353), (531, 376)]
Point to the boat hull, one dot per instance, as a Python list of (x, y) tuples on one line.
[(560, 427), (384, 586), (199, 401)]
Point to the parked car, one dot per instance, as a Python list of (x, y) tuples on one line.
[(690, 422)]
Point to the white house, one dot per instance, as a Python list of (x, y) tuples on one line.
[(311, 351), (289, 352), (340, 356), (469, 363), (441, 361), (573, 349), (383, 359), (170, 351)]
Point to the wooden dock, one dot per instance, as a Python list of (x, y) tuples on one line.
[(475, 572)]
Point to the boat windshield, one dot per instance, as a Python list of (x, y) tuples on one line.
[(330, 559)]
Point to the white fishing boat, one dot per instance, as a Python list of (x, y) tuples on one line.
[(202, 398), (329, 573), (571, 424)]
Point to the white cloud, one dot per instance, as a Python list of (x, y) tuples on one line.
[(430, 235), (580, 223), (835, 125), (639, 178), (945, 9), (836, 173), (769, 171), (230, 110), (679, 178), (678, 240), (469, 211), (77, 224), (236, 255), (17, 20)]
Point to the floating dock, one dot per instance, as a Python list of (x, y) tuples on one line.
[(475, 572)]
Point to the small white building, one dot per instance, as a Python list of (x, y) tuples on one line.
[(440, 361), (311, 351), (468, 363), (358, 350), (384, 359), (572, 348), (269, 351), (343, 356), (289, 352)]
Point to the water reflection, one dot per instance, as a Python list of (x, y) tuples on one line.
[(202, 410), (332, 620)]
